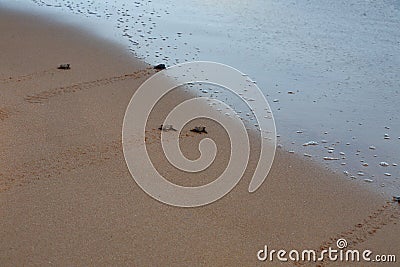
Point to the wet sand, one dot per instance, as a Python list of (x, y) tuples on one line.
[(67, 198)]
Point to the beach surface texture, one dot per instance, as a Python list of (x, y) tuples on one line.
[(68, 199)]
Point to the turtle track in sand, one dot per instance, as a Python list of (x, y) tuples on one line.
[(26, 77), (45, 95), (71, 158), (387, 214), (4, 114)]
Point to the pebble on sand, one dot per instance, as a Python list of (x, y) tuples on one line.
[(330, 158), (310, 143)]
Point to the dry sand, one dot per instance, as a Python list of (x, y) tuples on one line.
[(67, 198)]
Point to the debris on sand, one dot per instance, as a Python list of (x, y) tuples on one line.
[(368, 180), (166, 128), (384, 164), (396, 198), (64, 67), (160, 67), (199, 129)]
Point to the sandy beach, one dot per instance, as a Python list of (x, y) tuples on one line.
[(68, 199)]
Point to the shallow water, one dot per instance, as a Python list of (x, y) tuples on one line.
[(340, 59)]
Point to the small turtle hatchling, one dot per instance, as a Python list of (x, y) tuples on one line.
[(64, 67), (160, 67), (166, 128), (199, 129)]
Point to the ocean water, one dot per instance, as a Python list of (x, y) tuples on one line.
[(340, 61)]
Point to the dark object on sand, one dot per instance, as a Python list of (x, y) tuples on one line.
[(160, 67), (199, 129), (64, 67), (166, 128), (396, 198)]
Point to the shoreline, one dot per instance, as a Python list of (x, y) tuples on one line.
[(156, 43), (330, 98), (72, 200)]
